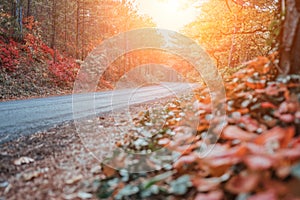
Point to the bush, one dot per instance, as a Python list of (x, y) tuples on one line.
[(9, 54)]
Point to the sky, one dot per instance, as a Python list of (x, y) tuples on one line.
[(168, 14)]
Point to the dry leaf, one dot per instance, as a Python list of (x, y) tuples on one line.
[(205, 185), (74, 179), (234, 132), (242, 183), (258, 162), (215, 195), (23, 160), (269, 195), (108, 171), (187, 159), (31, 175)]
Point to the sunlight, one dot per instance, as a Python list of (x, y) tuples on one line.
[(169, 14)]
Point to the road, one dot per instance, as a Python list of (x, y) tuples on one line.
[(24, 117)]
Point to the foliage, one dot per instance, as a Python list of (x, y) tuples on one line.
[(254, 157), (32, 49), (9, 54), (233, 34), (65, 69)]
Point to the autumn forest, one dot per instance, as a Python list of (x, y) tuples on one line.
[(140, 99)]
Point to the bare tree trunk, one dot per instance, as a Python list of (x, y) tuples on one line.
[(290, 44), (53, 39), (17, 12), (83, 31), (28, 8)]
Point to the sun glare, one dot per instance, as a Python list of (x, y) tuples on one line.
[(168, 14)]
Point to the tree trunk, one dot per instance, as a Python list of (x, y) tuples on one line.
[(290, 44), (77, 28), (53, 39), (28, 8)]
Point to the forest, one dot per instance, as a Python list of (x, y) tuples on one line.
[(56, 36), (246, 139)]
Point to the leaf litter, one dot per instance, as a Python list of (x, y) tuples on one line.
[(255, 157)]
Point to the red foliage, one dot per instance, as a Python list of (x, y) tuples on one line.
[(9, 54), (65, 69), (32, 49)]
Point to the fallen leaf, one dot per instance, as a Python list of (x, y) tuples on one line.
[(289, 153), (289, 134), (258, 162), (276, 133), (108, 171), (287, 118), (74, 179), (269, 195), (205, 184), (268, 105), (84, 195), (96, 169), (234, 132), (250, 124), (180, 185), (164, 141), (242, 183), (201, 106), (280, 188), (186, 159), (215, 195), (23, 160), (34, 174)]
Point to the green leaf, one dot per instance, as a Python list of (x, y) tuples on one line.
[(157, 178)]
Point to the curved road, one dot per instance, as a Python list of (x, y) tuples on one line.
[(24, 117)]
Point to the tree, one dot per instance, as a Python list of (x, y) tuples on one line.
[(235, 34), (290, 41)]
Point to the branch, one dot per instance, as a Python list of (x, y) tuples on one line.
[(245, 32), (227, 4)]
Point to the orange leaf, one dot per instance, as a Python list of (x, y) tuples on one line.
[(289, 134), (234, 132), (276, 133)]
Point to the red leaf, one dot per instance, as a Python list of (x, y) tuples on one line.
[(250, 124), (287, 118), (258, 162), (280, 188), (205, 185), (215, 195), (227, 157), (242, 183), (269, 195), (234, 132), (187, 159), (291, 153), (268, 105)]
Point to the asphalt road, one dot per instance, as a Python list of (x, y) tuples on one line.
[(24, 117)]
